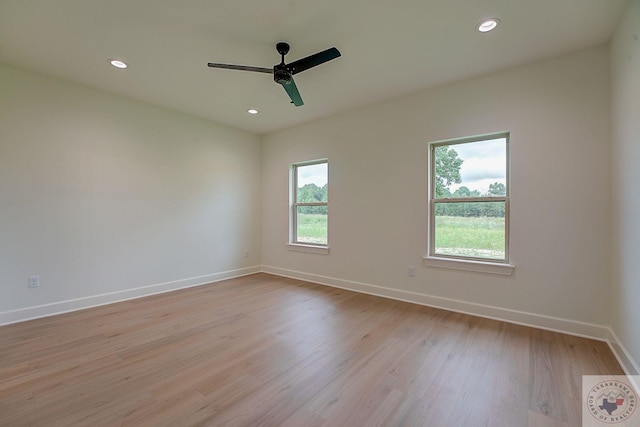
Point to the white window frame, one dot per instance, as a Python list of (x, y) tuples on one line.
[(294, 244), (477, 264)]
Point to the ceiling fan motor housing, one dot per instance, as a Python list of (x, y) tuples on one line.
[(281, 75)]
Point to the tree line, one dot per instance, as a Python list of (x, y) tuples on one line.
[(311, 193), (447, 172)]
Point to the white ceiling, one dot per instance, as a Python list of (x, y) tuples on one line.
[(389, 48)]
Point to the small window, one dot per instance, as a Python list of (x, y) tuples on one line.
[(469, 199), (309, 207)]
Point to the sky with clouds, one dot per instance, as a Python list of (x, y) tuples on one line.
[(484, 164), (313, 174)]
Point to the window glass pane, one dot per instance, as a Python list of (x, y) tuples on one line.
[(312, 224), (312, 183), (475, 229), (473, 169)]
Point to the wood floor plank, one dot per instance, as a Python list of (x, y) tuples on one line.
[(263, 350)]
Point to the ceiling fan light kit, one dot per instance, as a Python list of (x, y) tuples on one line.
[(283, 73)]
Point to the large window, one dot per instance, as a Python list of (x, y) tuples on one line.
[(469, 198), (309, 207)]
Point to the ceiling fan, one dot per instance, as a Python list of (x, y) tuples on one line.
[(283, 73)]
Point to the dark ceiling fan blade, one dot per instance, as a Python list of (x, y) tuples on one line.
[(313, 60), (241, 67), (292, 91)]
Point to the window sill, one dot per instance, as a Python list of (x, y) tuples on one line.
[(467, 265), (298, 247)]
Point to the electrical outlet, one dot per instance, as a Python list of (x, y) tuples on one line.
[(33, 282), (412, 271), (246, 254)]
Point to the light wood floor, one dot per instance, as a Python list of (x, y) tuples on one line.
[(267, 351)]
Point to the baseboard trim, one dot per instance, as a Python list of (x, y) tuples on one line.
[(550, 323), (555, 324), (629, 365), (60, 307)]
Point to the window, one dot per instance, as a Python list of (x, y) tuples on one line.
[(309, 207), (469, 199)]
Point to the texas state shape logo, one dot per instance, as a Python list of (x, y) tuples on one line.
[(612, 401)]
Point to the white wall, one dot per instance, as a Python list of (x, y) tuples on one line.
[(558, 113), (107, 198), (625, 59), (104, 195)]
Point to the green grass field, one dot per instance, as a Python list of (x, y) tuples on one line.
[(472, 237), (312, 228), (479, 237)]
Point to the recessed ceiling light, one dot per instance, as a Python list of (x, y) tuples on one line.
[(118, 64), (252, 111), (488, 25)]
